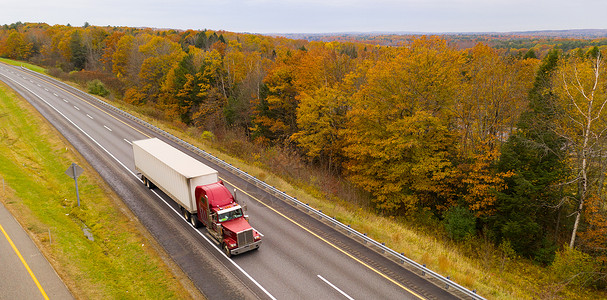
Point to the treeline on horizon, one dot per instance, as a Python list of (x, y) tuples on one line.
[(501, 143)]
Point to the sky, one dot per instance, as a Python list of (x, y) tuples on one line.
[(317, 16)]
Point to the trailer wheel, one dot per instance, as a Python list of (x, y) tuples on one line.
[(194, 220), (226, 250), (186, 214)]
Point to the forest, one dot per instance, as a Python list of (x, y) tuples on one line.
[(507, 143)]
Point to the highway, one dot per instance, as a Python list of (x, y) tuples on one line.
[(300, 257)]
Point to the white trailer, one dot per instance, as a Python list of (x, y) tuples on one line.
[(174, 172)]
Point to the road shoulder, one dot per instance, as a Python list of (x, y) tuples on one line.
[(16, 282)]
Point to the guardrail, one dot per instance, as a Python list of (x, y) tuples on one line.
[(445, 281)]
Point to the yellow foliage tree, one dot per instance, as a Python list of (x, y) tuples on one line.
[(399, 137)]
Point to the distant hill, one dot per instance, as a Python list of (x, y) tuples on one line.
[(569, 33), (565, 39)]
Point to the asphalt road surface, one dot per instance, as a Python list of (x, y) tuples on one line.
[(24, 272), (300, 257)]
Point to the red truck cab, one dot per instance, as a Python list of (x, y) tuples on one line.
[(225, 219)]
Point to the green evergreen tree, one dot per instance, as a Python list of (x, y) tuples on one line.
[(526, 210), (78, 51), (201, 40)]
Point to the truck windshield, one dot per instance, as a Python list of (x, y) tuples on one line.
[(230, 215)]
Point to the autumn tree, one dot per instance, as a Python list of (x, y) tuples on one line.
[(16, 47), (274, 115), (213, 93), (161, 55), (180, 90), (93, 41), (491, 97), (111, 44), (320, 117), (121, 56), (324, 93), (399, 136), (581, 90)]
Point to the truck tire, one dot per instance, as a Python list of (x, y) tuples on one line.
[(194, 220), (226, 250), (186, 214)]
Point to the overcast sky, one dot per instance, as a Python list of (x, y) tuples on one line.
[(316, 16)]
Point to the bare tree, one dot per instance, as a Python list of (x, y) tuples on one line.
[(582, 97)]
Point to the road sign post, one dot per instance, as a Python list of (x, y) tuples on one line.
[(74, 171)]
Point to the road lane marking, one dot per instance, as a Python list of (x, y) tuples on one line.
[(107, 128), (89, 116), (24, 263), (127, 141), (329, 243), (65, 100), (76, 107), (336, 288)]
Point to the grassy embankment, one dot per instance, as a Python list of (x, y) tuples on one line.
[(123, 261), (476, 264)]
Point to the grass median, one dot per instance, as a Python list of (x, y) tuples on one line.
[(121, 260)]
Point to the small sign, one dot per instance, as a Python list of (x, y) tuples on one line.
[(74, 171)]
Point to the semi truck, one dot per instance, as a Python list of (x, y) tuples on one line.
[(202, 197)]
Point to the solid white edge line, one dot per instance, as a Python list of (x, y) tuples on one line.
[(135, 175), (336, 288)]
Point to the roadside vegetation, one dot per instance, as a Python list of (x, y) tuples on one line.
[(122, 261), (485, 163)]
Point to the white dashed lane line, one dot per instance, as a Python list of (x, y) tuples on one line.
[(89, 116), (107, 128), (76, 107)]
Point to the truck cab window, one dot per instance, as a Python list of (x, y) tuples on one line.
[(234, 214)]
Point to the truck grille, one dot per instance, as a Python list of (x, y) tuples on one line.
[(245, 237)]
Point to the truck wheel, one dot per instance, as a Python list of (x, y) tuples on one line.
[(186, 214), (226, 250), (194, 220)]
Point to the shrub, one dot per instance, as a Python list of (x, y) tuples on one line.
[(460, 223), (96, 87), (574, 267), (207, 135)]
